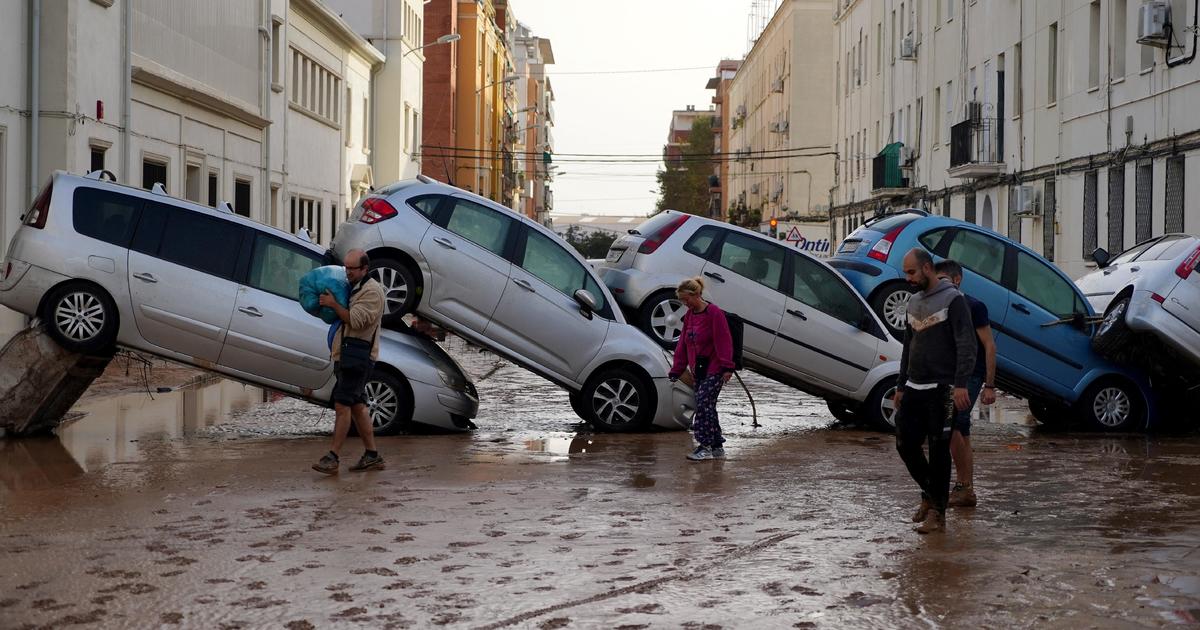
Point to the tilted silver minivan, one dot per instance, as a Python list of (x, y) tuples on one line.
[(102, 264)]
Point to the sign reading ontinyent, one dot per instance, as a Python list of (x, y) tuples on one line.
[(813, 239)]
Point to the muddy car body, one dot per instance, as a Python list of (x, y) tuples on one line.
[(104, 264)]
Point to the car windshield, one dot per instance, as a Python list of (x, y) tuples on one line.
[(650, 226), (1133, 252)]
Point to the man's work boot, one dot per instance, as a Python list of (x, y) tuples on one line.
[(328, 465), (962, 496), (922, 510), (934, 521), (368, 462)]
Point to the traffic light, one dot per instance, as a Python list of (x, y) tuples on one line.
[(774, 228)]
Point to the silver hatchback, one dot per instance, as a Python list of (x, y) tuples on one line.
[(509, 284), (104, 264), (805, 326)]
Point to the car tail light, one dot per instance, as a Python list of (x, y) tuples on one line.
[(376, 209), (1188, 265), (36, 217), (653, 241), (1158, 298), (883, 246)]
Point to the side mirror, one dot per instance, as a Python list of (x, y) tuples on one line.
[(586, 301), (1102, 257)]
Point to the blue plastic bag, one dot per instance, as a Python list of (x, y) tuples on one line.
[(330, 278), (333, 328)]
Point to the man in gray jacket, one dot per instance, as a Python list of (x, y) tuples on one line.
[(938, 358)]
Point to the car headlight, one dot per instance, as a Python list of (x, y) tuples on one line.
[(457, 382)]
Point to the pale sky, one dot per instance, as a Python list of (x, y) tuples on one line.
[(626, 113)]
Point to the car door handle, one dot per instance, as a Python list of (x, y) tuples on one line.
[(796, 313), (444, 242), (145, 277), (714, 276), (250, 310), (1022, 308), (524, 284), (1134, 269)]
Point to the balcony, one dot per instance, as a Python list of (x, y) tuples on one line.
[(887, 178), (976, 148)]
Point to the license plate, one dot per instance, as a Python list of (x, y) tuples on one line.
[(848, 246), (614, 255)]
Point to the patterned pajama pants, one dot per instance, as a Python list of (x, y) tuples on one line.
[(705, 424)]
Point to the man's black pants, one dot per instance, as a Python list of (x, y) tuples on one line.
[(927, 415)]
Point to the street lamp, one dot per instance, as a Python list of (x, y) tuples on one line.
[(444, 39), (508, 79), (808, 207)]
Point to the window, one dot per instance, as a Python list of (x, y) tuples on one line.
[(1116, 208), (879, 47), (192, 182), (276, 53), (969, 208), (701, 242), (1120, 13), (104, 215), (1052, 65), (950, 9), (276, 267), (404, 136), (552, 264), (1049, 218), (817, 287), (1133, 253), (1143, 227), (480, 225), (1094, 54), (366, 124), (97, 163), (350, 108), (982, 254), (306, 214), (1166, 248), (241, 197), (752, 258), (1040, 284), (201, 242), (1091, 238), (212, 189), (1018, 81), (949, 95), (1175, 186), (416, 131), (426, 205), (937, 116), (315, 88), (153, 172)]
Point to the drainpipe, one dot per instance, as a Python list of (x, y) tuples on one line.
[(1195, 25), (126, 89), (35, 98), (264, 96), (283, 164)]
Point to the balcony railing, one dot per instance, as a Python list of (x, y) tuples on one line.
[(976, 148), (886, 176)]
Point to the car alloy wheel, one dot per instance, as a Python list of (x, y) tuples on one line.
[(616, 401), (395, 288), (383, 403), (1112, 407), (79, 316), (666, 320), (895, 309), (887, 407), (1115, 315)]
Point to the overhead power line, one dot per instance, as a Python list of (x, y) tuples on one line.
[(615, 155), (647, 71)]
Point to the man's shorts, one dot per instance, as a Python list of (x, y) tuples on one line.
[(962, 419), (351, 386)]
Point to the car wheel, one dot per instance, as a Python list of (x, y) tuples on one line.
[(661, 317), (1049, 413), (842, 411), (389, 402), (1113, 338), (1113, 405), (81, 318), (879, 408), (576, 399), (891, 304), (618, 399), (400, 288)]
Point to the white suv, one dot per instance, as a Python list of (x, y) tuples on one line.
[(104, 264), (507, 283), (805, 326)]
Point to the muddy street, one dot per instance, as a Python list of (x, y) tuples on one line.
[(197, 508)]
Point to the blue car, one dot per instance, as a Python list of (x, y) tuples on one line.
[(1039, 317)]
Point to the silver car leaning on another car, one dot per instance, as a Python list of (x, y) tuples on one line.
[(1151, 288), (507, 283), (805, 326), (104, 264)]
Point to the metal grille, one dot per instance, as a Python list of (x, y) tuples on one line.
[(1175, 179), (1116, 209), (1091, 239), (970, 202), (1048, 221), (1014, 221), (1143, 222), (946, 205)]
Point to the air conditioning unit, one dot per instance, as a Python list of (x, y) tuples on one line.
[(975, 112), (908, 47), (754, 189), (1154, 22), (1028, 202), (777, 85)]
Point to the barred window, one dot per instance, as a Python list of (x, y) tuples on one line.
[(1116, 209), (970, 210), (1048, 220), (1014, 221), (1175, 188), (1143, 222), (315, 89), (1091, 239)]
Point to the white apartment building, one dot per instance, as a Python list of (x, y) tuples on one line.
[(533, 122), (1062, 124), (780, 127)]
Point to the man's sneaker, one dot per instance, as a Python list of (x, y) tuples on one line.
[(718, 453), (962, 496), (367, 462), (700, 454), (934, 521), (922, 511), (328, 465)]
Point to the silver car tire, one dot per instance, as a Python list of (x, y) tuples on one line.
[(617, 400), (81, 317), (1113, 405), (400, 288), (890, 303), (880, 408), (389, 402), (661, 318)]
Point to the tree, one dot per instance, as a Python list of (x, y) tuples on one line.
[(685, 187), (592, 244)]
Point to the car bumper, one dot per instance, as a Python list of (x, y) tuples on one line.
[(629, 287), (1146, 315), (355, 235), (443, 408), (23, 289), (676, 404)]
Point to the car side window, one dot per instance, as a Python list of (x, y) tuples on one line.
[(1131, 253), (1038, 283), (201, 242), (752, 258), (932, 240), (276, 267), (552, 264), (982, 254), (104, 215), (817, 287), (701, 242), (1177, 248), (483, 226), (426, 205)]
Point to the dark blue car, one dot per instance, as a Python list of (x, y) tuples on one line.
[(1040, 356)]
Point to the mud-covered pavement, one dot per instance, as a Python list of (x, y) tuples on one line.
[(197, 508)]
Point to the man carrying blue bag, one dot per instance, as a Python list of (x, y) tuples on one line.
[(354, 352)]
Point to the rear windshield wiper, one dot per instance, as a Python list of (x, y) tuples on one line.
[(634, 232)]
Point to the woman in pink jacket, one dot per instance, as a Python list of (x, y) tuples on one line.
[(706, 350)]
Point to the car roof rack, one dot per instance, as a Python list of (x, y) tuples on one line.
[(100, 175), (891, 213)]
